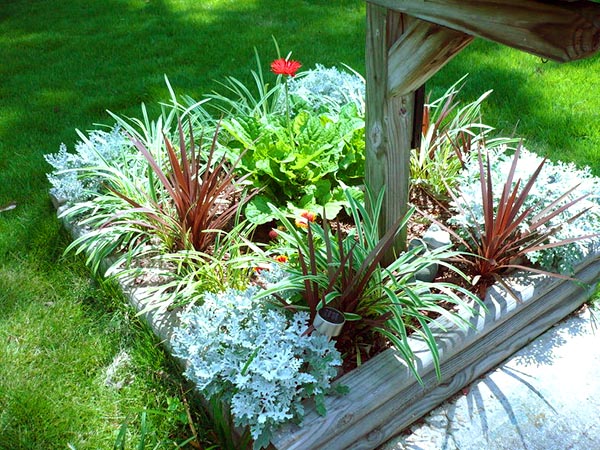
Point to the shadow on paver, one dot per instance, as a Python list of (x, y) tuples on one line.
[(540, 352)]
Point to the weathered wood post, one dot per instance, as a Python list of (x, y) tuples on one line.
[(402, 53), (389, 120)]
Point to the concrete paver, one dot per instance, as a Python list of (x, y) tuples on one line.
[(545, 397)]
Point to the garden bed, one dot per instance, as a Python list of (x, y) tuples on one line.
[(152, 212), (384, 397)]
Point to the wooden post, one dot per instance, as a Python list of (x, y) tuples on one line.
[(402, 53), (389, 122)]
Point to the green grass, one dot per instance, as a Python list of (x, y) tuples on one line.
[(64, 63), (60, 335), (554, 107)]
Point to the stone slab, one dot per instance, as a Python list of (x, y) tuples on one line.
[(545, 397)]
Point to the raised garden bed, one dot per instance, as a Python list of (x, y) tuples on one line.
[(384, 398)]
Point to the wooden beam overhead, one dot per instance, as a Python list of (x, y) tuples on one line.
[(561, 31)]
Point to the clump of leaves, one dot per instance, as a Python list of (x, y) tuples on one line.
[(189, 274), (345, 271), (239, 100), (305, 170), (205, 196), (176, 208), (328, 89), (553, 180), (510, 230), (259, 360), (300, 157), (450, 134), (97, 149)]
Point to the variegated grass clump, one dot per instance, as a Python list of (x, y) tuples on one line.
[(346, 271), (451, 133)]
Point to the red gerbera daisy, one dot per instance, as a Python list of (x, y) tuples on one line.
[(281, 259), (283, 66)]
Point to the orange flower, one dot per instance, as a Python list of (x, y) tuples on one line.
[(281, 259), (283, 66), (301, 222), (310, 216), (305, 218)]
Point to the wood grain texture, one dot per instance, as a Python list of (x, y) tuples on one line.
[(562, 31), (389, 122), (419, 53), (384, 398)]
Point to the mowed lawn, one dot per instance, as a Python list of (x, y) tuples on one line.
[(62, 65)]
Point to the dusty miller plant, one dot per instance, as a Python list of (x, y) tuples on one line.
[(553, 181), (98, 149), (328, 88), (257, 359)]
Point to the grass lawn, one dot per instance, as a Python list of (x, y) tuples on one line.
[(64, 63)]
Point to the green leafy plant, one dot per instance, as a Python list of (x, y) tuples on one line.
[(299, 157), (450, 134), (305, 171), (510, 231), (346, 272), (188, 275)]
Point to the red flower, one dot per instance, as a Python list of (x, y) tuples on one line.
[(283, 66), (281, 259), (305, 218)]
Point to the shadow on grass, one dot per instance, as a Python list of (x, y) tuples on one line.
[(554, 107)]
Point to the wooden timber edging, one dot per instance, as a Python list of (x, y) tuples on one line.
[(384, 397)]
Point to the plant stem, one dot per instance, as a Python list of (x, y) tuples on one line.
[(287, 113)]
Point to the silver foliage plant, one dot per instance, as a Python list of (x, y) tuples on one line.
[(329, 88), (99, 148), (554, 180), (256, 358)]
